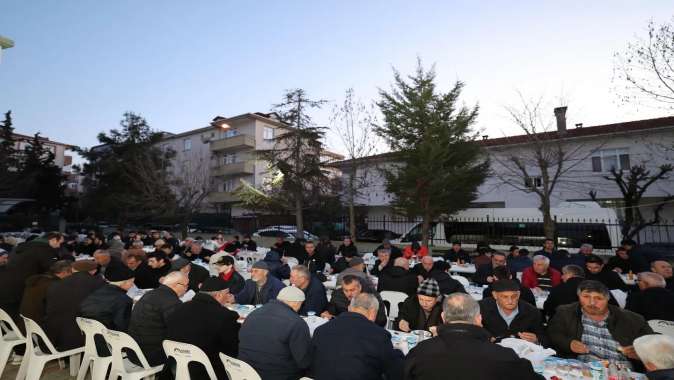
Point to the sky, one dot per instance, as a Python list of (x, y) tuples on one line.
[(78, 65)]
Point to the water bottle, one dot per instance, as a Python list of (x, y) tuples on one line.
[(613, 372)]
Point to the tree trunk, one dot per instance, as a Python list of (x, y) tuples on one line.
[(425, 229), (548, 222), (299, 220), (352, 221)]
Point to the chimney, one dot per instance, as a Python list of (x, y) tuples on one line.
[(485, 137), (560, 115)]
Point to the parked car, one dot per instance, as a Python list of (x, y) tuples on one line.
[(288, 233), (375, 236)]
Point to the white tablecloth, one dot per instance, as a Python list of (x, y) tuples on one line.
[(463, 268), (626, 279)]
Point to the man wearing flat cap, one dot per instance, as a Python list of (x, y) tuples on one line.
[(109, 304), (260, 288), (423, 310), (205, 323), (274, 340), (63, 304)]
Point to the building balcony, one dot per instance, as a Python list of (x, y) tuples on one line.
[(246, 167), (231, 144), (222, 197)]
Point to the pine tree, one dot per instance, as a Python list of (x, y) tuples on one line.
[(438, 164), (7, 156), (296, 155), (39, 178)]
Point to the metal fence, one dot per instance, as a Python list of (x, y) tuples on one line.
[(502, 232)]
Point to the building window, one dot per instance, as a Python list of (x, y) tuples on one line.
[(268, 133), (229, 159), (229, 185), (607, 159), (231, 133), (533, 182), (187, 145)]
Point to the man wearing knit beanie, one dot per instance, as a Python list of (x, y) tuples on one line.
[(423, 311)]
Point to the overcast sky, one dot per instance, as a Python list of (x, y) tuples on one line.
[(78, 65)]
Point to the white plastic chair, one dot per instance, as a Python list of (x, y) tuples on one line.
[(464, 281), (183, 354), (124, 368), (10, 337), (91, 360), (662, 327), (393, 298), (620, 297), (34, 359), (238, 369)]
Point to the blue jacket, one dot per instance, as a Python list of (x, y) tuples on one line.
[(268, 292), (352, 347), (275, 341), (316, 299)]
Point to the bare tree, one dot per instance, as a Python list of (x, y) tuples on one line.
[(542, 163), (646, 68), (633, 184), (191, 184), (353, 122)]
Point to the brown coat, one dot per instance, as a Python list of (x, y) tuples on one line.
[(34, 296)]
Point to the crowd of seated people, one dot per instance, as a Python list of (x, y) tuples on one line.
[(54, 279)]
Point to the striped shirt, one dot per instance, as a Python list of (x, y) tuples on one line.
[(600, 343)]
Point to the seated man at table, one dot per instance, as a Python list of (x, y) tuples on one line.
[(463, 350), (540, 276), (519, 260), (415, 250), (343, 262), (422, 310), (277, 267), (566, 292), (398, 278), (370, 354), (351, 286), (485, 273), (274, 340), (657, 353), (505, 316), (595, 270), (232, 280), (261, 288), (424, 269), (394, 250), (664, 269), (619, 263), (383, 261), (457, 253), (313, 260), (315, 298), (148, 275), (106, 262), (592, 328), (357, 268), (502, 273), (196, 273), (205, 323), (248, 244), (653, 300), (150, 314)]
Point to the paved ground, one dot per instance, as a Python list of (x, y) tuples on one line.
[(51, 372)]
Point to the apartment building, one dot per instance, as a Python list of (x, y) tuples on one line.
[(225, 153)]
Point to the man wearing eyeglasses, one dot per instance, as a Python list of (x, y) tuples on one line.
[(149, 315)]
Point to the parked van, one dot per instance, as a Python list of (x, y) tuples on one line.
[(577, 223)]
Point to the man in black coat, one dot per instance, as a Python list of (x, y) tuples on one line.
[(566, 329), (148, 318), (421, 311), (505, 316), (351, 346), (228, 275), (110, 305), (274, 340), (106, 262), (566, 292), (664, 269), (315, 298), (205, 323), (425, 268), (457, 253), (195, 272), (653, 300), (503, 273), (393, 250), (312, 259), (63, 304), (148, 274), (383, 261), (596, 270), (350, 287), (398, 278), (463, 350), (30, 258), (485, 273)]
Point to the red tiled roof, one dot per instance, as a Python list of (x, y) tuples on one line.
[(629, 126)]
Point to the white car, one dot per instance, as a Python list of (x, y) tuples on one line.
[(288, 233)]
